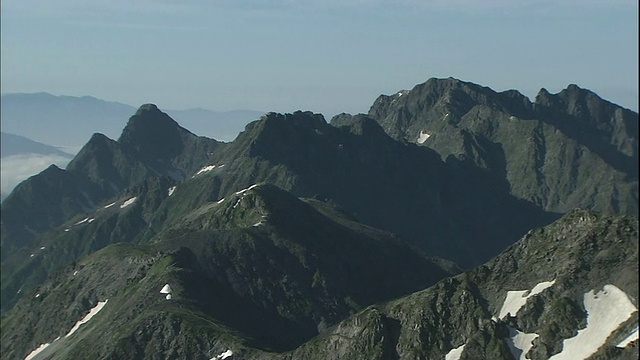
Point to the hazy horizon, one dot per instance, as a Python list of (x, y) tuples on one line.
[(323, 56)]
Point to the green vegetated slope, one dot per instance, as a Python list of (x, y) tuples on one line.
[(262, 264)]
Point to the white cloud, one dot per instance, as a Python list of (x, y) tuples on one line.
[(17, 168)]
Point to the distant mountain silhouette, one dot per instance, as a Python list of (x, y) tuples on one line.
[(70, 120), (16, 145)]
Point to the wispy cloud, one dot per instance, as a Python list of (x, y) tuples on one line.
[(17, 168)]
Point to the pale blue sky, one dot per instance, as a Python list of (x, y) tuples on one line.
[(326, 56)]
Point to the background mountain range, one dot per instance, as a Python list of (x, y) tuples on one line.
[(71, 120), (39, 129), (304, 238)]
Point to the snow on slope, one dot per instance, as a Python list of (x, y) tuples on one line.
[(606, 311), (423, 137), (36, 351), (517, 299), (128, 202), (96, 309), (455, 353), (519, 343), (224, 355)]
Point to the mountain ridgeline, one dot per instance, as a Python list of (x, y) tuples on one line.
[(308, 239)]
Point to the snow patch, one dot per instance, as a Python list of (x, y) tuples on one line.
[(220, 201), (454, 354), (520, 343), (32, 255), (629, 339), (236, 204), (110, 205), (90, 221), (37, 295), (606, 311), (82, 221), (36, 351), (423, 137), (96, 309), (42, 248), (516, 299), (224, 355), (166, 289), (67, 230), (204, 170), (128, 202), (245, 190), (171, 190), (75, 273)]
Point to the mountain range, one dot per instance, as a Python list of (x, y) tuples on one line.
[(442, 224), (70, 120)]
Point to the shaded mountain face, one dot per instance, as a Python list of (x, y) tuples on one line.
[(566, 150), (101, 170), (262, 265), (400, 188)]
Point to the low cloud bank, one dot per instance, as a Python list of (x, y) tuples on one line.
[(16, 168)]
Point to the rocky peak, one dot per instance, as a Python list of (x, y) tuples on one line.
[(359, 125), (151, 133), (280, 135)]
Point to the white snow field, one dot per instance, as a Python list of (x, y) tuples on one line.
[(166, 289), (204, 170), (455, 354), (516, 299), (36, 351), (224, 355), (520, 343), (423, 137), (96, 309), (128, 202), (171, 190), (110, 205), (606, 311), (245, 190)]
